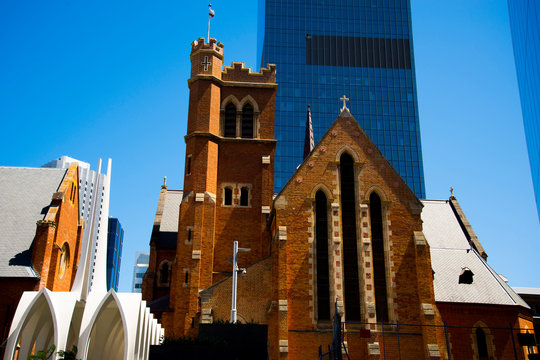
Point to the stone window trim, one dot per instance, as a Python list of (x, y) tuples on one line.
[(167, 281), (322, 323), (387, 239), (236, 189), (488, 337), (64, 259), (231, 99)]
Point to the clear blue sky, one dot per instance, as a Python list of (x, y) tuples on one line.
[(109, 79)]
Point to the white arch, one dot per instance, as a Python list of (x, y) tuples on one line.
[(42, 318), (105, 324)]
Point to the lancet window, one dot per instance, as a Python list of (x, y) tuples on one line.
[(350, 251)]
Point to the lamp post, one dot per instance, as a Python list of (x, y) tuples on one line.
[(236, 249)]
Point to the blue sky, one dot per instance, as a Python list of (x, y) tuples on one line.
[(109, 79)]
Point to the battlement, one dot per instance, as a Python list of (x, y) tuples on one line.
[(201, 45), (239, 72)]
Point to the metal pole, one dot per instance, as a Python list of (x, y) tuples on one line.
[(398, 345), (513, 342), (234, 278), (447, 342), (383, 345)]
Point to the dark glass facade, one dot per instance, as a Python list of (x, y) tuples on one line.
[(525, 25), (115, 240), (326, 49)]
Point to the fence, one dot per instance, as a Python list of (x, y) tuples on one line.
[(352, 340)]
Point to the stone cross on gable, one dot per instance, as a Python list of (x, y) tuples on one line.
[(206, 63), (344, 99)]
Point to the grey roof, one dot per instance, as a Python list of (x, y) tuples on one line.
[(451, 252), (25, 195), (171, 211), (526, 290)]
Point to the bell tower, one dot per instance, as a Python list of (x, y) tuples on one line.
[(228, 179)]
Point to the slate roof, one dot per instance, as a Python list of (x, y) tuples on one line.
[(25, 194), (451, 252), (171, 211)]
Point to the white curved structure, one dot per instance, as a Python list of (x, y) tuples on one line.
[(103, 325)]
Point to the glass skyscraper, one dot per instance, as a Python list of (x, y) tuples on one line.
[(115, 241), (325, 49), (525, 25)]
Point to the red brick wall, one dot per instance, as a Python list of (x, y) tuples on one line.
[(408, 266), (461, 318)]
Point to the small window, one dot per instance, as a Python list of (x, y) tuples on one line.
[(466, 276), (230, 121), (227, 196), (164, 273), (189, 234), (244, 196), (188, 165), (186, 277), (247, 121)]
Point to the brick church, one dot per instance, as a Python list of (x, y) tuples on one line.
[(345, 234)]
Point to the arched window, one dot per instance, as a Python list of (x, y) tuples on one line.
[(164, 271), (350, 253), (481, 343), (227, 196), (64, 260), (230, 121), (244, 196), (379, 264), (321, 240), (247, 121)]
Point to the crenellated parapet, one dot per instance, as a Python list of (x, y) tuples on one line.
[(213, 45), (239, 72)]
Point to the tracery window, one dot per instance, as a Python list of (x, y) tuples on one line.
[(230, 121), (247, 121)]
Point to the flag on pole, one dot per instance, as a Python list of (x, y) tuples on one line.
[(211, 14)]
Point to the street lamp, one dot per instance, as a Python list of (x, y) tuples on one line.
[(236, 269)]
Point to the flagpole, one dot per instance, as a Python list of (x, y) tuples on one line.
[(208, 36), (210, 16)]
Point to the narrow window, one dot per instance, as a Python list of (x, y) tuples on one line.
[(350, 254), (379, 265), (230, 121), (189, 235), (247, 121), (164, 273), (321, 239), (186, 277), (188, 165), (481, 343), (228, 196), (244, 195)]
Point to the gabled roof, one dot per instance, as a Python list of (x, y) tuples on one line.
[(25, 194), (451, 252), (165, 231), (171, 211), (346, 117)]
